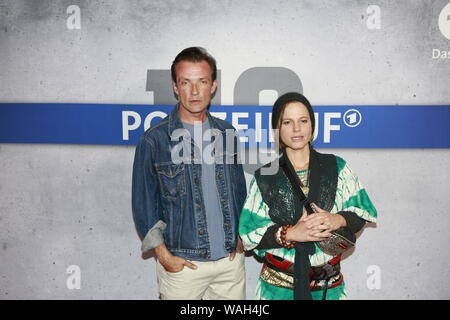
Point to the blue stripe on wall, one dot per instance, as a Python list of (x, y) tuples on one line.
[(345, 126)]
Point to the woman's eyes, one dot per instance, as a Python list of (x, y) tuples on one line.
[(286, 122)]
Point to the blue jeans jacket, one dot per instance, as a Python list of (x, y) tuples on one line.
[(167, 195)]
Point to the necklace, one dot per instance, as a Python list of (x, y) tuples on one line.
[(305, 187)]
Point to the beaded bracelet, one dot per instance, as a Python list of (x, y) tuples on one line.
[(284, 243)]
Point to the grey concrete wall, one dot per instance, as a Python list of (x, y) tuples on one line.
[(66, 205)]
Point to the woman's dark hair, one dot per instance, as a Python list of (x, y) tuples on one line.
[(280, 105), (194, 54), (284, 100)]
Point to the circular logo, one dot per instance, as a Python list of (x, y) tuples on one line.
[(444, 21), (352, 118)]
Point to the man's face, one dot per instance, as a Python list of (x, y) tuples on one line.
[(194, 87)]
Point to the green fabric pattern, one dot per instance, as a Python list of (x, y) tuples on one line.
[(255, 219), (267, 291)]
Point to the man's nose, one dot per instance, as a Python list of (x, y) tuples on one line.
[(194, 89)]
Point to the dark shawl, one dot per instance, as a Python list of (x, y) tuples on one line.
[(285, 206)]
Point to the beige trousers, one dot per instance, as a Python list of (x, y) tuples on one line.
[(213, 280)]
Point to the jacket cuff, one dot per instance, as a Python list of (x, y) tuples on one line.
[(354, 222), (268, 240), (154, 236)]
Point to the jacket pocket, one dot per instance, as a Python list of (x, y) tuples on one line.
[(172, 180)]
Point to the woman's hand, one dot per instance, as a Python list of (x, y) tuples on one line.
[(315, 227), (325, 218), (304, 232)]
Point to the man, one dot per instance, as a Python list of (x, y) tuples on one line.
[(185, 206)]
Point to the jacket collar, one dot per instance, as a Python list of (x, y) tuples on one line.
[(175, 122)]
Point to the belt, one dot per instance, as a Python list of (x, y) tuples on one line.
[(280, 272), (324, 271), (279, 264)]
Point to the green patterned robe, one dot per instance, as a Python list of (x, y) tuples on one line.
[(255, 219)]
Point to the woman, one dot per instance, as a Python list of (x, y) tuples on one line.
[(276, 226)]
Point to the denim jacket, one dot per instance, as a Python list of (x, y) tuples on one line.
[(167, 196)]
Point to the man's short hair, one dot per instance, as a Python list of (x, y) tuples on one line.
[(194, 54)]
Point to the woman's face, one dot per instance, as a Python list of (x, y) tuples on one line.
[(295, 126)]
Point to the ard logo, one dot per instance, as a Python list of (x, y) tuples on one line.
[(444, 21), (352, 118)]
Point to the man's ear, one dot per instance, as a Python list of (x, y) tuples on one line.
[(214, 87), (175, 88)]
